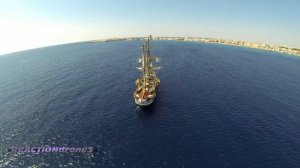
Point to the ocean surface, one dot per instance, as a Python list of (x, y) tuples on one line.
[(217, 106)]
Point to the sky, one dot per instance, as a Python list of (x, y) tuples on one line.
[(27, 24)]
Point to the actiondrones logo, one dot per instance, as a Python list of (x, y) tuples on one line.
[(49, 149)]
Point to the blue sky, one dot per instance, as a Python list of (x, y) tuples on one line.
[(35, 23)]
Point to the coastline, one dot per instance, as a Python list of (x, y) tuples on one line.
[(262, 46)]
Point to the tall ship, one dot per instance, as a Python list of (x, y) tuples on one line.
[(146, 85)]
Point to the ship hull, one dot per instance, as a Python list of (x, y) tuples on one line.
[(143, 102)]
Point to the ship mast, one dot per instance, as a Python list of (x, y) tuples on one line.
[(146, 60)]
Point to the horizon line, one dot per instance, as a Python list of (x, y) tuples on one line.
[(154, 37)]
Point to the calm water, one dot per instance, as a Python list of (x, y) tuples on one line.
[(217, 106)]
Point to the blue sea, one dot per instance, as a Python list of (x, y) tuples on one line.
[(217, 106)]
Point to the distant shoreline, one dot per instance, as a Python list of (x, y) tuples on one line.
[(262, 46)]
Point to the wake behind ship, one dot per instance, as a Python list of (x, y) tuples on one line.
[(145, 93)]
